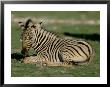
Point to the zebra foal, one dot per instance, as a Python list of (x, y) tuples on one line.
[(51, 49)]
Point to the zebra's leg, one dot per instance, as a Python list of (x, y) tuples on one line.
[(60, 62), (31, 60), (42, 62), (35, 60), (75, 59), (63, 64)]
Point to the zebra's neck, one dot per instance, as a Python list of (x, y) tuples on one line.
[(41, 38)]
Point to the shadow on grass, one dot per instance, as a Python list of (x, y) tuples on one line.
[(94, 36), (17, 56)]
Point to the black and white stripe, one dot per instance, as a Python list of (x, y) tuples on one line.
[(53, 48)]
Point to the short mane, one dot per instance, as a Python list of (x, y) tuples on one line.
[(27, 22)]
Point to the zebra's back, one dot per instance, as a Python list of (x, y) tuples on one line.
[(54, 49)]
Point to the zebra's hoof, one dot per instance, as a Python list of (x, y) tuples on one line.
[(44, 64)]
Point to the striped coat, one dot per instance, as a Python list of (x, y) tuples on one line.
[(51, 49)]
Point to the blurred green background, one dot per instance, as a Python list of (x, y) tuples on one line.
[(70, 24)]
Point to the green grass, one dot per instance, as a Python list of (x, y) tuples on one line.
[(59, 14), (19, 69)]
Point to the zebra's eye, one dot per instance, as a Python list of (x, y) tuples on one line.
[(33, 26), (40, 23)]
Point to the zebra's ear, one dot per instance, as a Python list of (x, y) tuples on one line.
[(21, 25), (28, 23), (42, 25)]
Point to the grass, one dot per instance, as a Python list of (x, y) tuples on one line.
[(81, 31), (61, 14)]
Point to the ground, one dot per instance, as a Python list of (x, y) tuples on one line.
[(80, 25)]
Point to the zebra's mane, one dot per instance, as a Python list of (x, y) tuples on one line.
[(42, 28), (53, 33), (27, 23)]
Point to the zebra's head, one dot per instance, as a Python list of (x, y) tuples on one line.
[(27, 34), (29, 25)]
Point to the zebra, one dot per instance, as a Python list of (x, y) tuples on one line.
[(51, 49)]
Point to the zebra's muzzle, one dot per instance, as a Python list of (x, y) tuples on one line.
[(25, 53)]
